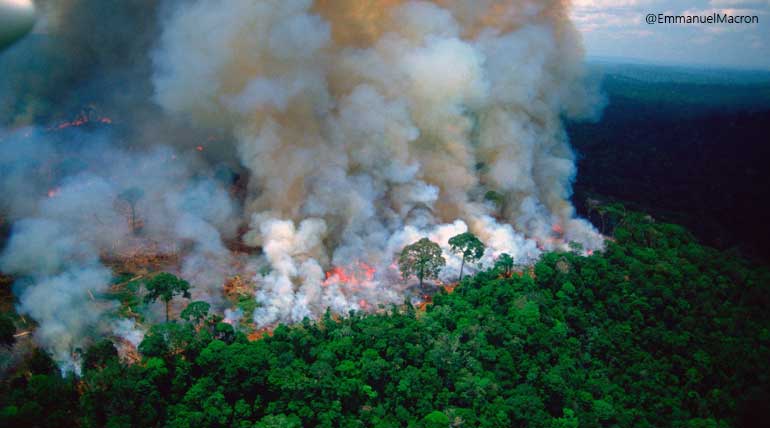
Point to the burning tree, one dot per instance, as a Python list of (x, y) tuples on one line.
[(469, 247), (422, 259), (164, 286)]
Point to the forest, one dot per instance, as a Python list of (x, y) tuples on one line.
[(686, 145), (213, 175), (658, 330)]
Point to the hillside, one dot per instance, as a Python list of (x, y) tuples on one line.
[(685, 145), (656, 331)]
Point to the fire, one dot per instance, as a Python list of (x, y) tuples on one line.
[(199, 148), (262, 332), (86, 116), (52, 193), (82, 120), (557, 229), (360, 273), (127, 352)]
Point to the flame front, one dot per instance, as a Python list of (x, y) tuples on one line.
[(360, 273)]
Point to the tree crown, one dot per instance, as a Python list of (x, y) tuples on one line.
[(422, 258), (468, 246), (504, 261), (164, 286), (195, 311)]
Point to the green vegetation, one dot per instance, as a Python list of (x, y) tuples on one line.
[(195, 312), (656, 331), (468, 247), (504, 264), (670, 140), (165, 286), (422, 259)]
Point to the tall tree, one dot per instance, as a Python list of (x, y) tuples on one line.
[(165, 286), (468, 246), (422, 259), (196, 312), (131, 196), (504, 263)]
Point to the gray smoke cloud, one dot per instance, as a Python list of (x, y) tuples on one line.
[(62, 233), (82, 52), (359, 126), (366, 125)]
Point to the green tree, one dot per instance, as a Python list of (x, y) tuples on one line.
[(422, 259), (165, 286), (435, 419), (99, 354), (195, 312), (504, 263), (468, 246), (279, 421), (634, 336)]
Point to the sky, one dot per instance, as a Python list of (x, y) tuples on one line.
[(616, 29)]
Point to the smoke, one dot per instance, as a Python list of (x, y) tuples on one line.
[(366, 125), (81, 52), (63, 233), (356, 126)]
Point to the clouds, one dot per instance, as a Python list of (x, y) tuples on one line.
[(618, 29)]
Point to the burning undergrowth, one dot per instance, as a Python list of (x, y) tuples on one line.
[(285, 151)]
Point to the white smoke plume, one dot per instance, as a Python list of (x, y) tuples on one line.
[(62, 234), (368, 124), (358, 126)]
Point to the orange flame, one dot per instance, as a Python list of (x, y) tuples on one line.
[(557, 229), (361, 272), (82, 120)]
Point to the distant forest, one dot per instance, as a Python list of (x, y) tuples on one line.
[(690, 146)]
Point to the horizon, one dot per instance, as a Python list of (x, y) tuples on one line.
[(618, 30), (690, 66)]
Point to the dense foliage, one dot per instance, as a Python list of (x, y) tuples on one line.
[(689, 146), (165, 286), (468, 247), (422, 259), (657, 331)]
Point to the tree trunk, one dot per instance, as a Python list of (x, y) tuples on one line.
[(462, 265), (420, 276), (167, 303), (132, 223)]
